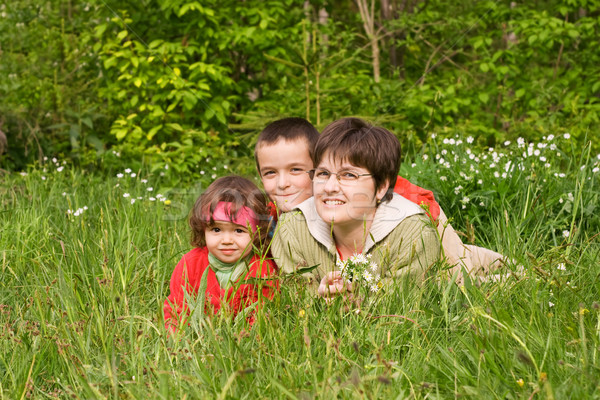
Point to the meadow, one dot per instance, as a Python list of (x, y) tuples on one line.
[(86, 258)]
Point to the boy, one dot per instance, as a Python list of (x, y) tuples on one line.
[(283, 155)]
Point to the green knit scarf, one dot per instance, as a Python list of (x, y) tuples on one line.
[(228, 273)]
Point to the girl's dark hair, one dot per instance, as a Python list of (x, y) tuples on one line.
[(363, 145), (238, 191)]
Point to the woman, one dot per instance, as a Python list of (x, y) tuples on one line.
[(354, 210)]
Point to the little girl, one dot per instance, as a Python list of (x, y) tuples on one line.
[(229, 227)]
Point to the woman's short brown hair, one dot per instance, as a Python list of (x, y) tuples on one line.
[(364, 145), (238, 191)]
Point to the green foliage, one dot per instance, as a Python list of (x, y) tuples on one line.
[(172, 82), (48, 81)]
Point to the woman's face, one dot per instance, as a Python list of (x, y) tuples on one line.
[(348, 201)]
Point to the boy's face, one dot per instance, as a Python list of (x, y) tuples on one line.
[(283, 171)]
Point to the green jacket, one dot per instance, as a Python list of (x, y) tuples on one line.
[(402, 240)]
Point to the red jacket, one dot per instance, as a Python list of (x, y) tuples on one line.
[(188, 273), (418, 195)]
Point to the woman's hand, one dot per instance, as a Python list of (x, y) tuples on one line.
[(333, 285)]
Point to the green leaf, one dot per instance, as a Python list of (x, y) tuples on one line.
[(520, 93), (122, 35), (153, 131), (175, 126), (484, 67), (484, 97), (532, 39)]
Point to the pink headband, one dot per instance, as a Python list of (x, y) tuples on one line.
[(245, 216)]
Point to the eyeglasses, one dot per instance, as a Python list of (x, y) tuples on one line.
[(321, 175)]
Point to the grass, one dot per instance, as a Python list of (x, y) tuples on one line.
[(81, 296)]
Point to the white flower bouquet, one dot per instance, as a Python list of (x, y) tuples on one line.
[(362, 272)]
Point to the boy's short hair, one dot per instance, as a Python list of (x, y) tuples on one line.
[(238, 191), (364, 145), (288, 129)]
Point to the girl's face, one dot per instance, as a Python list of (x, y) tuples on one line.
[(228, 241), (348, 201)]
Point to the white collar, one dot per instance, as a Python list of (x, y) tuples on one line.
[(387, 217)]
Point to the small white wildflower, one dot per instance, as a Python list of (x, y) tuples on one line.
[(445, 141), (561, 175), (54, 160), (465, 199), (566, 234), (443, 178), (151, 198), (553, 147), (570, 196), (144, 181), (413, 165), (166, 166), (132, 201), (551, 304), (497, 174), (23, 173), (119, 175), (162, 173), (202, 172), (470, 139), (69, 211), (504, 175), (507, 143), (459, 142), (43, 178), (133, 175), (520, 142), (425, 156), (560, 200), (543, 159), (128, 170), (567, 136), (126, 194), (159, 196), (374, 288), (480, 182), (225, 167), (482, 204), (444, 152), (139, 197), (214, 176), (117, 185), (547, 165), (433, 135), (550, 137), (64, 193), (458, 189), (150, 189), (367, 276), (561, 267), (59, 169), (596, 170), (536, 153)]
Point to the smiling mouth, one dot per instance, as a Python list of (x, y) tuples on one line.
[(333, 202), (228, 251)]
